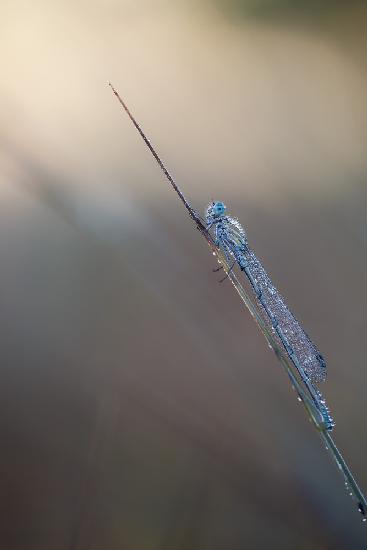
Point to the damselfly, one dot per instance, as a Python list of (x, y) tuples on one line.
[(231, 238)]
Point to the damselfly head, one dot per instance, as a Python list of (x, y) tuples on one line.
[(214, 211)]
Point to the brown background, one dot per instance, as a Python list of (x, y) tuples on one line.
[(139, 406)]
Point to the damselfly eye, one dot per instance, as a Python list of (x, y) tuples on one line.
[(218, 208)]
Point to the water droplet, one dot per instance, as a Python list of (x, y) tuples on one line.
[(350, 494), (364, 519), (299, 399)]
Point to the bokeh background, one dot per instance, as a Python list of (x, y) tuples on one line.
[(140, 407)]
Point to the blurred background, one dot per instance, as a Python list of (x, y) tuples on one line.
[(140, 407)]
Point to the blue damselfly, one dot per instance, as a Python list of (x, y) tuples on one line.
[(230, 236)]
